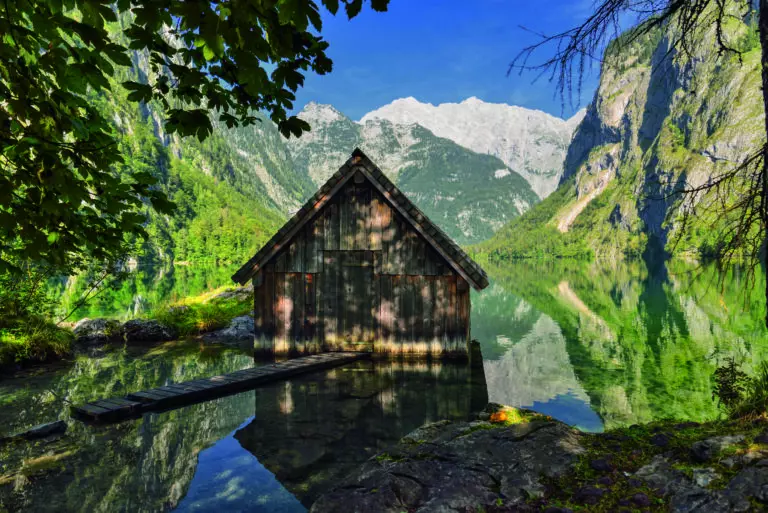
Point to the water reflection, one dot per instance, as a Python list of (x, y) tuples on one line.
[(313, 431), (271, 449), (593, 346), (599, 346)]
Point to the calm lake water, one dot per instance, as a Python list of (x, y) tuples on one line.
[(594, 346)]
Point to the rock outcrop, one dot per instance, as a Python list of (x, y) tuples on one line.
[(147, 330), (239, 332), (521, 461), (662, 121), (454, 466), (91, 334)]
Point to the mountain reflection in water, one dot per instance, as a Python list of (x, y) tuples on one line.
[(594, 345)]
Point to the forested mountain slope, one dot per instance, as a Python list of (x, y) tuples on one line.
[(232, 190), (661, 120), (468, 194)]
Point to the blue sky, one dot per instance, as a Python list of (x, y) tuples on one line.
[(441, 51)]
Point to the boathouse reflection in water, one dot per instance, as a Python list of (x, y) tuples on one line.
[(314, 431)]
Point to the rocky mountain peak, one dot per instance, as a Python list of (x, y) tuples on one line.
[(530, 142), (320, 113)]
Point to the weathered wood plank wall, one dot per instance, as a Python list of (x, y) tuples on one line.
[(358, 277)]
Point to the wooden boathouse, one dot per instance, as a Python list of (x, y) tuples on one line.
[(360, 268)]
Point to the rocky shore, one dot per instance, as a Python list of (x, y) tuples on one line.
[(91, 335), (513, 460)]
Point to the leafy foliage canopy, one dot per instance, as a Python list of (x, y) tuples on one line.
[(62, 202)]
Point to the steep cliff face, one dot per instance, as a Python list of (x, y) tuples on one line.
[(470, 195), (661, 120)]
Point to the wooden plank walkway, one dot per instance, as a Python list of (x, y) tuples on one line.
[(180, 394)]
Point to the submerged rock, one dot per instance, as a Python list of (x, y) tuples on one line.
[(43, 430), (239, 331), (147, 330), (90, 333), (49, 429)]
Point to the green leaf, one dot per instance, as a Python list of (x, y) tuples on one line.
[(380, 5), (353, 8), (331, 5), (139, 92)]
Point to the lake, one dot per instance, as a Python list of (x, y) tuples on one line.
[(593, 345)]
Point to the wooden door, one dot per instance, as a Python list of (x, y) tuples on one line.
[(358, 300), (349, 300)]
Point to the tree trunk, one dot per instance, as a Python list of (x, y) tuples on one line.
[(763, 28)]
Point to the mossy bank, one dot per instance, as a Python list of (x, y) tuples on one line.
[(212, 315)]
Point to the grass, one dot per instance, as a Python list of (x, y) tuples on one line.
[(34, 339), (206, 312)]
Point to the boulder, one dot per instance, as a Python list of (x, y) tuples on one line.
[(91, 333), (456, 466), (147, 330), (240, 331), (705, 450), (242, 293)]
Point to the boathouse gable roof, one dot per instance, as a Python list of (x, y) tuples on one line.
[(359, 162)]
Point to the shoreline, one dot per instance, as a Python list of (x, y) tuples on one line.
[(518, 460)]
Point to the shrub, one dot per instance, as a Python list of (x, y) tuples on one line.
[(26, 332), (741, 396), (755, 401), (33, 339)]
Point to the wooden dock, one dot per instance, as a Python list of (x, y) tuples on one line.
[(180, 394)]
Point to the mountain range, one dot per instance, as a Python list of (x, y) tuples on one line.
[(468, 194), (530, 142), (515, 182), (235, 188)]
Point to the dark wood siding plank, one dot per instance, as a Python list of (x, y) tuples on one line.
[(463, 319), (332, 227), (310, 313), (347, 207), (283, 313), (295, 293), (331, 298)]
